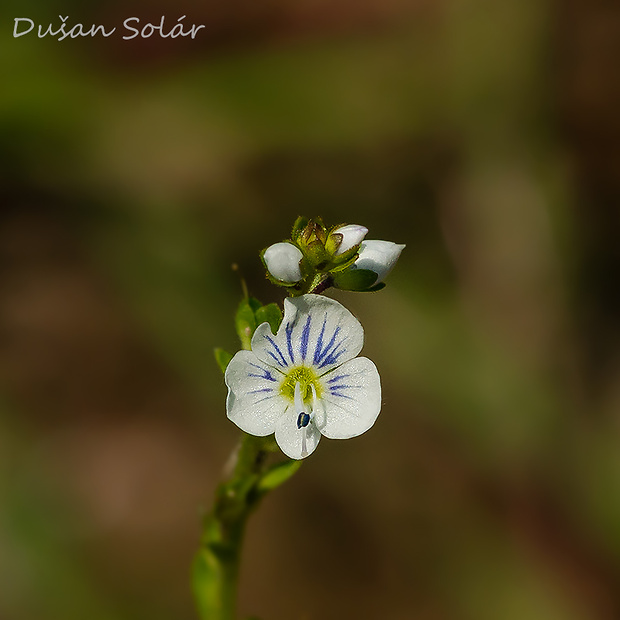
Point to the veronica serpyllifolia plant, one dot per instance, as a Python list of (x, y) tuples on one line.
[(297, 378)]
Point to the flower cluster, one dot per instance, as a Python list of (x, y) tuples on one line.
[(316, 258), (301, 378)]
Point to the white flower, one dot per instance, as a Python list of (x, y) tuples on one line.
[(378, 256), (282, 261), (305, 381), (352, 235)]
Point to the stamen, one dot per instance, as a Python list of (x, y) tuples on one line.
[(315, 414), (298, 401), (303, 418), (304, 445)]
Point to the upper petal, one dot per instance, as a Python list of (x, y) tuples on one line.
[(350, 401), (316, 331), (254, 402)]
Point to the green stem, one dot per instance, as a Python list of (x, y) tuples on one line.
[(216, 566), (316, 284), (321, 285)]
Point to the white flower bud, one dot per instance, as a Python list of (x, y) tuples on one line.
[(352, 235), (282, 260), (378, 256)]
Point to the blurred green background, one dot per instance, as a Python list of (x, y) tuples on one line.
[(485, 135)]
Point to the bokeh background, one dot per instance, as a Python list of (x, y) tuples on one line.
[(485, 135)]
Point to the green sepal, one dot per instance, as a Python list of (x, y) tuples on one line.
[(277, 475), (288, 285), (355, 279), (344, 262), (316, 255), (222, 358), (314, 231), (300, 223), (333, 242), (346, 257), (334, 239), (271, 314)]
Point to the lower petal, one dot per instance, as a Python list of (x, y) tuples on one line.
[(351, 399), (296, 443)]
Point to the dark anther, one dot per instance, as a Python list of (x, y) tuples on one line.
[(303, 420)]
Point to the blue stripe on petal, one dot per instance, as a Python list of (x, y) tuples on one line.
[(330, 345), (332, 358), (324, 356), (277, 348), (266, 374), (305, 334), (343, 387), (289, 332), (337, 378), (263, 399), (319, 343), (277, 361), (260, 390), (341, 395)]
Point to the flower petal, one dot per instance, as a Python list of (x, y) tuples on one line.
[(254, 402), (296, 443), (316, 331), (350, 401)]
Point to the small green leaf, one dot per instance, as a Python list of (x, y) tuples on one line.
[(278, 474), (270, 313), (222, 358), (375, 288), (355, 279), (245, 323), (254, 304)]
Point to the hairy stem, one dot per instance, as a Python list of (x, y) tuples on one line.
[(216, 566)]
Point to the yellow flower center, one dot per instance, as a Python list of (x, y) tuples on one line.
[(305, 377)]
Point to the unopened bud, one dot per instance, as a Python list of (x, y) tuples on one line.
[(282, 261), (352, 235), (378, 256)]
